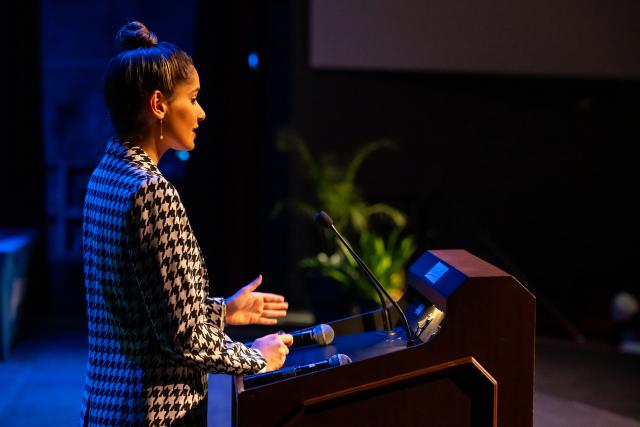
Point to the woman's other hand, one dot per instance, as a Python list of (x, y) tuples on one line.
[(247, 307)]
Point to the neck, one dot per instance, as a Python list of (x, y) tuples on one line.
[(153, 149)]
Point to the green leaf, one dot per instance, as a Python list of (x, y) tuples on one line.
[(290, 141), (362, 154)]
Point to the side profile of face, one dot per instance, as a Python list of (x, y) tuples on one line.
[(183, 115)]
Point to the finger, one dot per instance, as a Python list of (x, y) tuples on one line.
[(275, 306), (271, 297), (273, 314), (265, 321), (287, 339), (254, 284)]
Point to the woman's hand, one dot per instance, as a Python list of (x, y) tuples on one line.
[(247, 307), (274, 349)]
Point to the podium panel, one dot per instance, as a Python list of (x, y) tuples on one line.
[(472, 366), (462, 384)]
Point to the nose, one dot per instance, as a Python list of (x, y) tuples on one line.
[(201, 115)]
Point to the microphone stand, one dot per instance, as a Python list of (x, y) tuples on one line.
[(324, 219), (386, 317)]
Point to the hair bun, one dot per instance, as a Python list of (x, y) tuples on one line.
[(135, 35)]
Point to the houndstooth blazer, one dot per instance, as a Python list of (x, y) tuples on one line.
[(153, 332)]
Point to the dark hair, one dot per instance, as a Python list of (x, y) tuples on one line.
[(142, 66)]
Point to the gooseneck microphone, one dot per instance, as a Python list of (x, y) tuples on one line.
[(321, 334), (325, 220), (294, 371)]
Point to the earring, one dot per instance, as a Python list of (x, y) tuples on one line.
[(161, 135)]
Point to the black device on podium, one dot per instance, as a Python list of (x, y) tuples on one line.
[(471, 365)]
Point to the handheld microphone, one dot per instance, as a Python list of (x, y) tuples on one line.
[(294, 371), (320, 334), (325, 220)]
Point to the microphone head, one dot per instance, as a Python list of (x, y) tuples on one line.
[(339, 360), (323, 219), (323, 334)]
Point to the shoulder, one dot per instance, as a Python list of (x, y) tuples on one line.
[(155, 190)]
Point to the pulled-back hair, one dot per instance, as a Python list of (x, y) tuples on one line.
[(142, 66)]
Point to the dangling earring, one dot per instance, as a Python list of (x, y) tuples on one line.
[(161, 135)]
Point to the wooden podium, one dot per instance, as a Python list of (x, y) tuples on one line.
[(473, 364)]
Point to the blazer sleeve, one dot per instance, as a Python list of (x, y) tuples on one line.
[(170, 273)]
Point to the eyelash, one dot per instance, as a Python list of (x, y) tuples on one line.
[(194, 100)]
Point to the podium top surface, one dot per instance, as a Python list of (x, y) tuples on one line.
[(467, 263)]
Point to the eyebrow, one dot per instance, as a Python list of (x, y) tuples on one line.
[(196, 90)]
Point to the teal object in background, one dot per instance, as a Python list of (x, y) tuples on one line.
[(15, 250)]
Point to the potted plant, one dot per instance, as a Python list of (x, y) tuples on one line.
[(376, 231)]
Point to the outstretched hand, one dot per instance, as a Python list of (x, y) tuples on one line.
[(247, 307)]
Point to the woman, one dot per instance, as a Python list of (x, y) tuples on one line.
[(154, 334)]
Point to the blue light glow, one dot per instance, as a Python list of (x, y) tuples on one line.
[(253, 60), (182, 155)]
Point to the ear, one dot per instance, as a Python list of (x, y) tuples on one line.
[(158, 104)]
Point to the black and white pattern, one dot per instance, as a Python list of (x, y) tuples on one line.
[(153, 332)]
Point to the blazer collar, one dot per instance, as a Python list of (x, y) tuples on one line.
[(127, 150)]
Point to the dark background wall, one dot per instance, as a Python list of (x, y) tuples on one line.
[(532, 173), (535, 176), (21, 162)]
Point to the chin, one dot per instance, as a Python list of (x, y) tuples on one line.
[(187, 146)]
